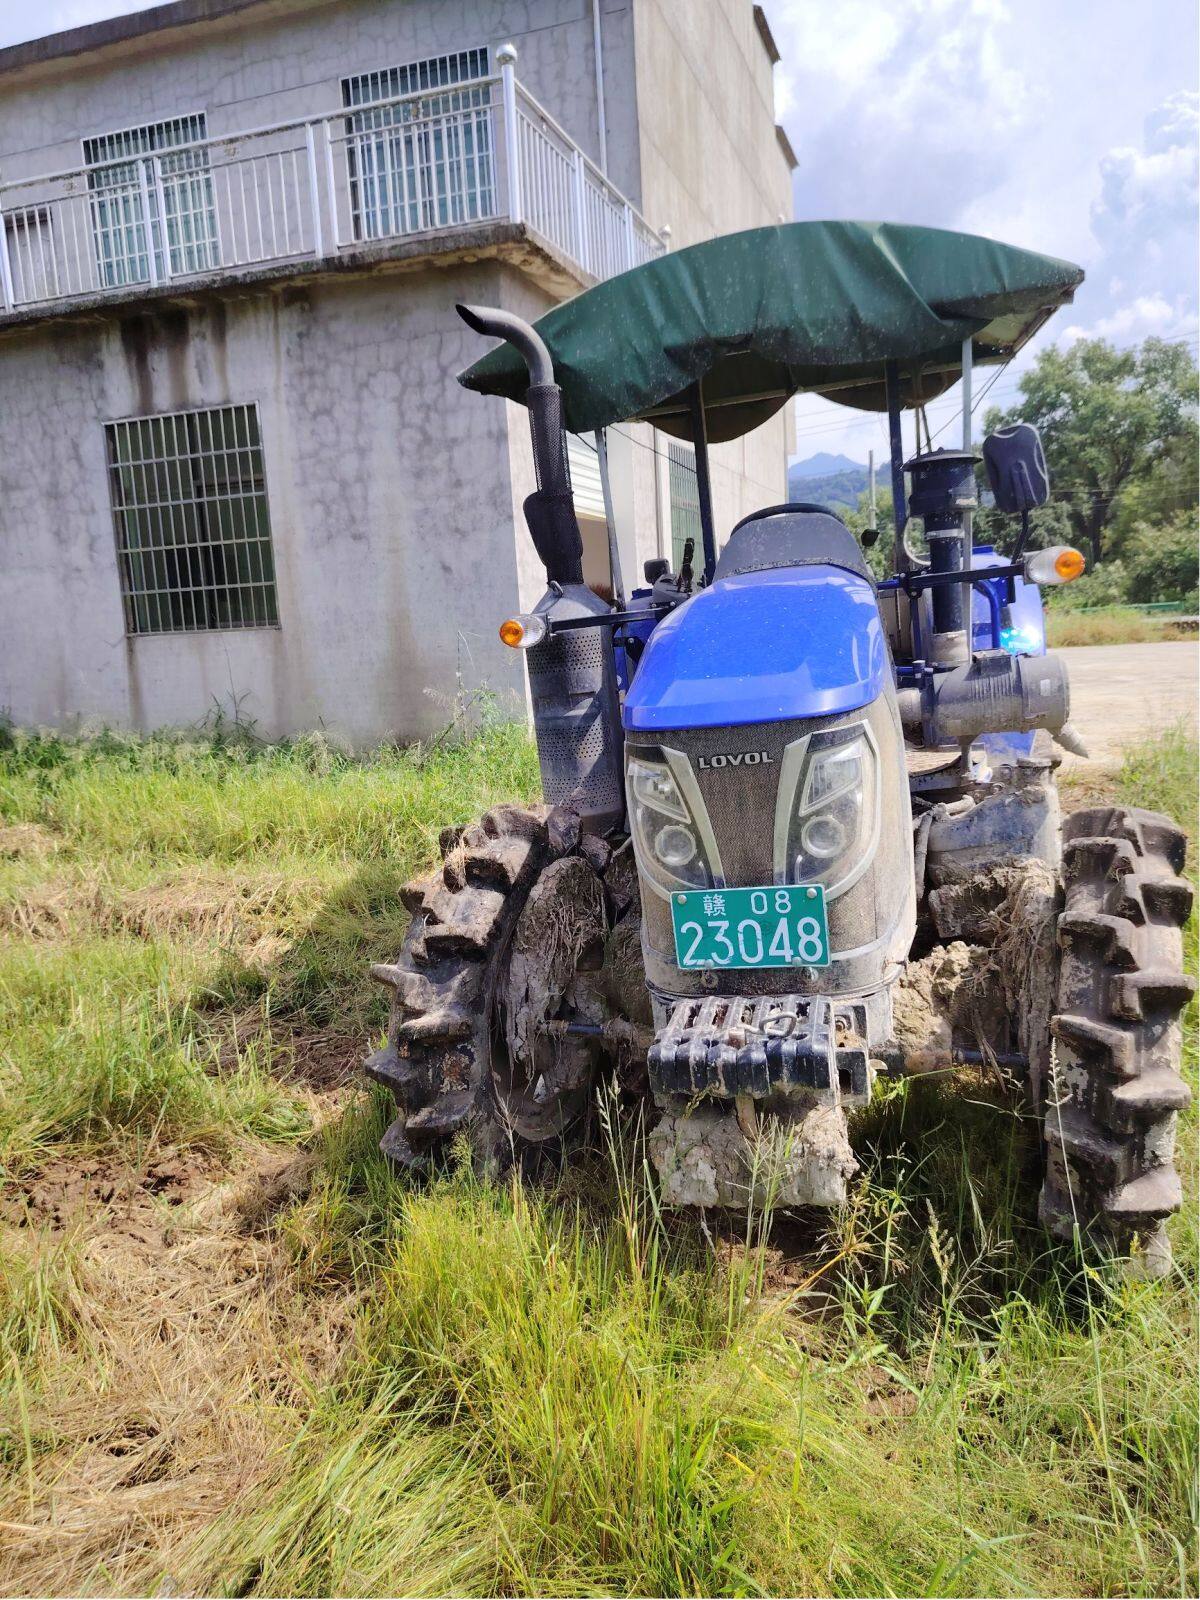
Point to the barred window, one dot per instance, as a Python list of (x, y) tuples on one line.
[(125, 187), (424, 163), (685, 500), (436, 72), (193, 532)]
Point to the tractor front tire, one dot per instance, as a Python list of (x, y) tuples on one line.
[(500, 936), (1111, 1097)]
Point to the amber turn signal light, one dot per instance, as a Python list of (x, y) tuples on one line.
[(1069, 565), (519, 633), (1058, 563)]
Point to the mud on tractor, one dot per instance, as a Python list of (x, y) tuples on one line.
[(800, 826)]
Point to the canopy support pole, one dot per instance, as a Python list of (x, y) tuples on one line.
[(614, 553), (968, 366), (703, 480), (891, 383)]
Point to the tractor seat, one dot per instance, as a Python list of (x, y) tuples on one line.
[(796, 535)]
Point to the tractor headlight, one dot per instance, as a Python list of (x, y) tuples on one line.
[(827, 826), (666, 840)]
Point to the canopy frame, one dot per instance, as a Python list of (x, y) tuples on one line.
[(708, 531)]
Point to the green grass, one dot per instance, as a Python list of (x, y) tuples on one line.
[(1107, 625), (377, 1388)]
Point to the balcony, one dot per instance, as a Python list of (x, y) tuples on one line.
[(368, 178)]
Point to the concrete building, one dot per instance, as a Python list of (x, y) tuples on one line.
[(235, 468)]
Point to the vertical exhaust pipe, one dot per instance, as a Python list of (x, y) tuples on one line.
[(572, 673), (943, 493), (550, 510)]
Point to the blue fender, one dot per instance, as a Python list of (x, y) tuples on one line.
[(767, 646)]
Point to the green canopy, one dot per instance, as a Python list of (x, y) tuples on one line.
[(762, 315)]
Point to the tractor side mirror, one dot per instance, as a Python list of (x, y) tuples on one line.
[(1016, 468)]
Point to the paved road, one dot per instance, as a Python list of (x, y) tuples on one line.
[(1122, 692)]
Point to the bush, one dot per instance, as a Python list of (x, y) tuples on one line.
[(1160, 561), (1105, 585)]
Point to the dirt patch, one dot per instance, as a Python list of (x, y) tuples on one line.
[(978, 908), (134, 1200), (561, 923), (994, 994), (1085, 786), (182, 1366), (705, 1157), (624, 972), (321, 1061)]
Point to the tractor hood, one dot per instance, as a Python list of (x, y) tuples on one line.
[(762, 647)]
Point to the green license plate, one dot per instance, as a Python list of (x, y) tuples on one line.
[(783, 926)]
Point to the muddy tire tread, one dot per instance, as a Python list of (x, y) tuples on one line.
[(1109, 1118), (438, 1048)]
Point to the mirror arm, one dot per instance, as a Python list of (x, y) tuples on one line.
[(1022, 537)]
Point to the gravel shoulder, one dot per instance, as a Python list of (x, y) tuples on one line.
[(1121, 693)]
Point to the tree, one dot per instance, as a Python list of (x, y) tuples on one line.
[(1161, 558), (879, 555), (1049, 524), (1107, 418), (1169, 488)]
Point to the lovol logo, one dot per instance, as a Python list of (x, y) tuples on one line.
[(745, 758)]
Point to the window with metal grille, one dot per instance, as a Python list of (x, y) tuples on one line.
[(193, 531), (173, 189), (425, 163), (685, 500)]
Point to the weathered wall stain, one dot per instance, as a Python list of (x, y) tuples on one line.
[(137, 341)]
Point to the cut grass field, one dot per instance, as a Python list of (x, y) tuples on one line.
[(237, 1356)]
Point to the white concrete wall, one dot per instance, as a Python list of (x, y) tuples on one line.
[(710, 159), (391, 498), (394, 496), (285, 59)]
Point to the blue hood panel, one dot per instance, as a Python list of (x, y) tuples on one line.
[(762, 647)]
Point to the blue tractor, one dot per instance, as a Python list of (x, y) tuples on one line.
[(800, 823)]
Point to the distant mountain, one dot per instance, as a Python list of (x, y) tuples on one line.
[(839, 482), (822, 465)]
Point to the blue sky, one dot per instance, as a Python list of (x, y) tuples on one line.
[(1068, 126)]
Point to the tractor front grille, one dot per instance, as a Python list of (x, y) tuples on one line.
[(740, 802)]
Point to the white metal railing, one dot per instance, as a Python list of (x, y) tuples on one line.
[(416, 163)]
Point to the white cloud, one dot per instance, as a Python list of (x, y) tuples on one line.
[(1146, 316), (1064, 126), (1144, 225), (1149, 310), (921, 91), (1157, 186)]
